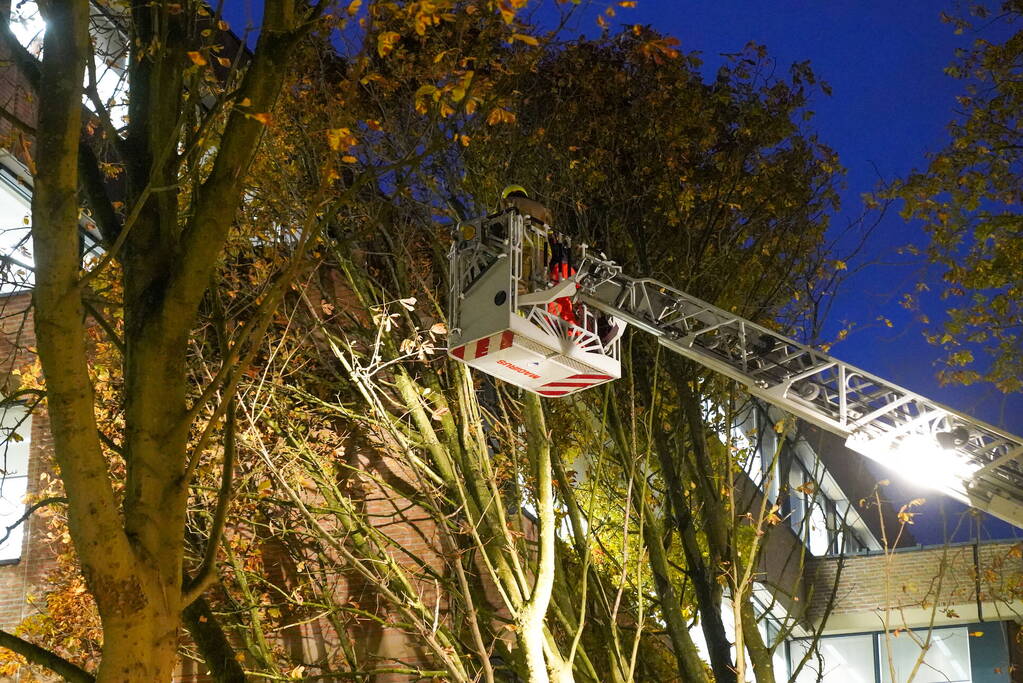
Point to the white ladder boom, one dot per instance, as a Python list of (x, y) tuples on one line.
[(975, 463)]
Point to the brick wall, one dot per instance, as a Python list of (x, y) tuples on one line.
[(20, 578), (912, 581), (18, 102)]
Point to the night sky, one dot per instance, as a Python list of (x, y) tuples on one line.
[(890, 106)]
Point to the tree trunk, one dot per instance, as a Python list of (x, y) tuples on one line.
[(139, 615), (217, 652), (707, 589)]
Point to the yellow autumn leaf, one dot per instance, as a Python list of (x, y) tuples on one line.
[(524, 38), (386, 42), (349, 159), (498, 115), (340, 138), (353, 7), (425, 90), (196, 58), (224, 61), (507, 11)]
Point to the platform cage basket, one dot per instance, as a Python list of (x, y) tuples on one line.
[(507, 313)]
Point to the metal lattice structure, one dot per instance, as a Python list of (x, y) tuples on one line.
[(502, 326), (878, 418)]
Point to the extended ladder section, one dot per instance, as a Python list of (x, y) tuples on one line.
[(506, 321), (928, 443)]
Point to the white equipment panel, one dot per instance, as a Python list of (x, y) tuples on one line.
[(500, 318)]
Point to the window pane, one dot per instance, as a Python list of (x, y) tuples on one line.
[(15, 433), (15, 213), (844, 659), (818, 538), (947, 660), (11, 509), (797, 501), (15, 437)]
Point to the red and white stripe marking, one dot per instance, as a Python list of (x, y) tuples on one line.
[(502, 340), (481, 347), (571, 384)]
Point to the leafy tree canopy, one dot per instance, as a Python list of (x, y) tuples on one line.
[(968, 198)]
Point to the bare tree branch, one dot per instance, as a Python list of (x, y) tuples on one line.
[(43, 657), (28, 513)]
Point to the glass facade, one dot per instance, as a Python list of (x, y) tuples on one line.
[(840, 659), (774, 466), (942, 656), (945, 658), (15, 439), (15, 231)]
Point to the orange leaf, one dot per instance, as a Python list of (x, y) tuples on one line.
[(340, 138), (263, 117), (386, 42), (197, 58), (507, 11), (349, 159)]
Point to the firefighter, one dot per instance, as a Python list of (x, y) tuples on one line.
[(560, 264), (560, 268), (515, 195), (533, 240)]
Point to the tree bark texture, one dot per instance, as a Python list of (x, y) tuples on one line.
[(132, 553)]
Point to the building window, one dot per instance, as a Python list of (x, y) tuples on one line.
[(871, 658), (841, 659), (15, 439), (15, 232), (818, 534), (947, 659)]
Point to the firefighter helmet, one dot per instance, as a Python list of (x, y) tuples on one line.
[(514, 191)]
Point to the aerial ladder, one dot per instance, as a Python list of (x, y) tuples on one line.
[(531, 308)]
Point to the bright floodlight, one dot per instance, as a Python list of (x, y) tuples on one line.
[(920, 460)]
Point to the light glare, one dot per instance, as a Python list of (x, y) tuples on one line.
[(920, 460)]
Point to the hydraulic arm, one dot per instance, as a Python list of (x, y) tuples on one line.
[(967, 459)]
